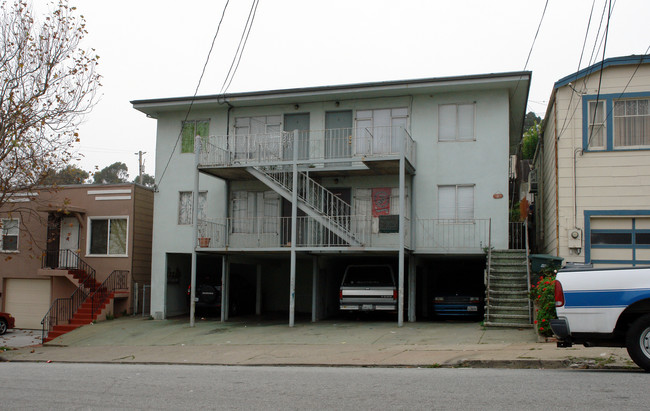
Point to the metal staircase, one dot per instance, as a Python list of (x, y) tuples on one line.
[(507, 302), (315, 200)]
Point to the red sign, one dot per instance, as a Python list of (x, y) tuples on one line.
[(380, 201)]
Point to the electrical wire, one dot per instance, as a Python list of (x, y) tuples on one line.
[(600, 79), (187, 114), (240, 47)]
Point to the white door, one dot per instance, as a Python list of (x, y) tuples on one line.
[(68, 239), (27, 300)]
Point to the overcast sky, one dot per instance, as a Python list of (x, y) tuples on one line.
[(157, 48)]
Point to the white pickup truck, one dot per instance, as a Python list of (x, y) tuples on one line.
[(605, 307)]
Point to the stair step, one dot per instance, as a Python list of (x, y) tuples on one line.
[(510, 324), (508, 316), (498, 300)]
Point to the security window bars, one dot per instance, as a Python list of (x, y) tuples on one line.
[(108, 236), (9, 240), (190, 130), (631, 123), (456, 122), (185, 203)]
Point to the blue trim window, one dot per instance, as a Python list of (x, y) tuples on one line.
[(616, 122)]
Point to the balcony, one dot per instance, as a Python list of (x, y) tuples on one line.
[(274, 234), (373, 150)]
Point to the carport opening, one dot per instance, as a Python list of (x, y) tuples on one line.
[(455, 288)]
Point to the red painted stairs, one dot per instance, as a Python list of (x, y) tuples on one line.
[(85, 314)]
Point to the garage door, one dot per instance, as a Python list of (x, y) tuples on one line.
[(27, 300), (617, 241)]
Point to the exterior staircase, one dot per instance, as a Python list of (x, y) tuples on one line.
[(507, 302), (87, 302), (314, 199)]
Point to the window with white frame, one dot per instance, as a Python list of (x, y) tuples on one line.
[(456, 202), (255, 212), (185, 203), (456, 122), (191, 129), (107, 236), (597, 125), (380, 131), (10, 230), (258, 135), (631, 123)]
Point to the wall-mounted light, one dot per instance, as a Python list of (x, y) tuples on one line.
[(337, 103), (336, 181), (296, 106)]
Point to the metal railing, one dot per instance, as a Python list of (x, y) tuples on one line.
[(516, 235), (452, 234), (313, 146), (117, 280), (62, 309)]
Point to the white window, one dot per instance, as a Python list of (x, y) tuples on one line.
[(380, 131), (108, 236), (631, 123), (456, 202), (597, 125), (9, 240), (256, 136), (456, 122), (185, 202), (191, 129), (255, 212)]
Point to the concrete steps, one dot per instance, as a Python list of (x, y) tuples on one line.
[(507, 303)]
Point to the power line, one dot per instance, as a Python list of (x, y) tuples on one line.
[(600, 78), (240, 47), (180, 133)]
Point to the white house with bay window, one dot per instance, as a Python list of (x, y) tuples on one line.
[(297, 184), (593, 200)]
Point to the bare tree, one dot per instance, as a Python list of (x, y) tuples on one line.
[(48, 83)]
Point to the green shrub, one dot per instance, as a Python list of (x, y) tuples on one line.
[(543, 294)]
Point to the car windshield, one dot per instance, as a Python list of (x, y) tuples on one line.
[(376, 275)]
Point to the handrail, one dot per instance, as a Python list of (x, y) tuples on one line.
[(117, 280), (62, 309), (530, 306), (489, 269)]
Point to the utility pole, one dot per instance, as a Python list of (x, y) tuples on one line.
[(140, 164)]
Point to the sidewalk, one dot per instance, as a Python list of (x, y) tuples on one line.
[(326, 343)]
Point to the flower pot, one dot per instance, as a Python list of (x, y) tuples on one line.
[(204, 242)]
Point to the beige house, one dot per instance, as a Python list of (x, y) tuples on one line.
[(63, 242), (593, 166)]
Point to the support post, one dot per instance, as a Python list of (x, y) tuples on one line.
[(402, 226), (294, 216), (412, 290), (195, 227), (258, 291), (314, 289), (224, 269)]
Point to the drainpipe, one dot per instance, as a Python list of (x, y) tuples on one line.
[(294, 216)]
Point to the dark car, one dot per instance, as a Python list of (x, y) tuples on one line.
[(458, 304), (7, 322), (208, 296)]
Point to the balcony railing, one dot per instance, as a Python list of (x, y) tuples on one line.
[(450, 235), (314, 146), (275, 232)]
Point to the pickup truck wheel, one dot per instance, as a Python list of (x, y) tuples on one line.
[(638, 342)]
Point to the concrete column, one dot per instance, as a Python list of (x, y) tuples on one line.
[(402, 226), (224, 290), (195, 227), (314, 290), (258, 291), (412, 290), (294, 222)]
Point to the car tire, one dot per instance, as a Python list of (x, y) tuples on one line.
[(637, 342), (3, 326)]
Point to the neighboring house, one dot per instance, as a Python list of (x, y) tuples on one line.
[(53, 239), (593, 166), (411, 173)]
